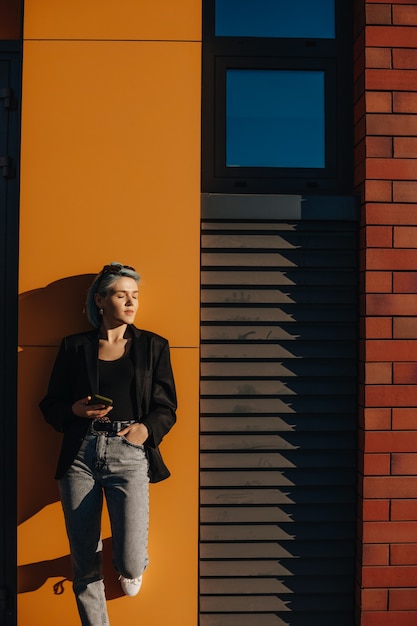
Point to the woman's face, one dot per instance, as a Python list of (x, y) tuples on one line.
[(120, 304)]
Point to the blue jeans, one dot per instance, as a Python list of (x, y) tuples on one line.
[(112, 465)]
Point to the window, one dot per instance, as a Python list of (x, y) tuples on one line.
[(276, 97), (272, 18)]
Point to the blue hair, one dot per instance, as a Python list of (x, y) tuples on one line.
[(101, 285)]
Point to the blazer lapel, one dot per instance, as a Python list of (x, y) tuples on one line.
[(140, 357), (91, 358)]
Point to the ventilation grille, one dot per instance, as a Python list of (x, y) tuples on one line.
[(278, 423)]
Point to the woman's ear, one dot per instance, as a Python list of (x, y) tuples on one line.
[(98, 300)]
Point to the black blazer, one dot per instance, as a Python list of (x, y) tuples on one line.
[(74, 376)]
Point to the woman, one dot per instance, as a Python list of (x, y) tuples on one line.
[(110, 444)]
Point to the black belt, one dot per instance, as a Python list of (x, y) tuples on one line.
[(99, 427)]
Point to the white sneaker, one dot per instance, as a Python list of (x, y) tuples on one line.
[(130, 586)]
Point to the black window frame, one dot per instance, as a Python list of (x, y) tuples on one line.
[(332, 56)]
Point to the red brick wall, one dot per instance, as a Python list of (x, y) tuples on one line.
[(386, 176)]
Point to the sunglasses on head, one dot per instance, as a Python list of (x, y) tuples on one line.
[(116, 268)]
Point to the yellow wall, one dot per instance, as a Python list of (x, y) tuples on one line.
[(110, 172)]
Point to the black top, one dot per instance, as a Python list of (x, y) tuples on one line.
[(116, 381)]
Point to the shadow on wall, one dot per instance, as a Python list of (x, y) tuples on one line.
[(32, 576), (45, 317)]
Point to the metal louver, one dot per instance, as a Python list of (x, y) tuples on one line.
[(278, 422)]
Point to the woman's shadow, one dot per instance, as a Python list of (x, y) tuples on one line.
[(45, 317)]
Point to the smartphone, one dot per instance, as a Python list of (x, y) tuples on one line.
[(97, 399)]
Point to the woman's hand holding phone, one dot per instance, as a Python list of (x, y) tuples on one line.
[(92, 407)]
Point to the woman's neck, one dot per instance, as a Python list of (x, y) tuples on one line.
[(114, 335), (114, 343)]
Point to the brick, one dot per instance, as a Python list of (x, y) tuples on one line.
[(379, 147), (390, 618), (393, 576), (378, 327), (404, 59), (391, 395), (403, 102), (378, 14), (360, 171), (404, 510), (360, 130), (358, 49), (362, 238), (378, 102), (405, 328), (405, 147), (361, 277), (390, 441), (402, 600), (403, 554), (361, 410), (377, 465), (378, 58), (361, 416), (394, 36), (404, 191), (361, 394), (394, 124), (378, 374), (404, 464), (394, 350), (390, 79), (375, 554), (405, 282), (405, 374), (404, 419), (380, 487), (360, 152), (389, 213), (379, 236), (378, 282), (391, 303), (359, 186), (376, 510), (392, 259), (405, 236), (404, 14), (358, 67), (374, 599), (378, 191), (377, 419), (391, 169)]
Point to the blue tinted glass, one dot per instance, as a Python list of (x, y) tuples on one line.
[(275, 18), (275, 118)]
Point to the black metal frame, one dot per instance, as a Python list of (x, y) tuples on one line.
[(11, 52), (332, 56)]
